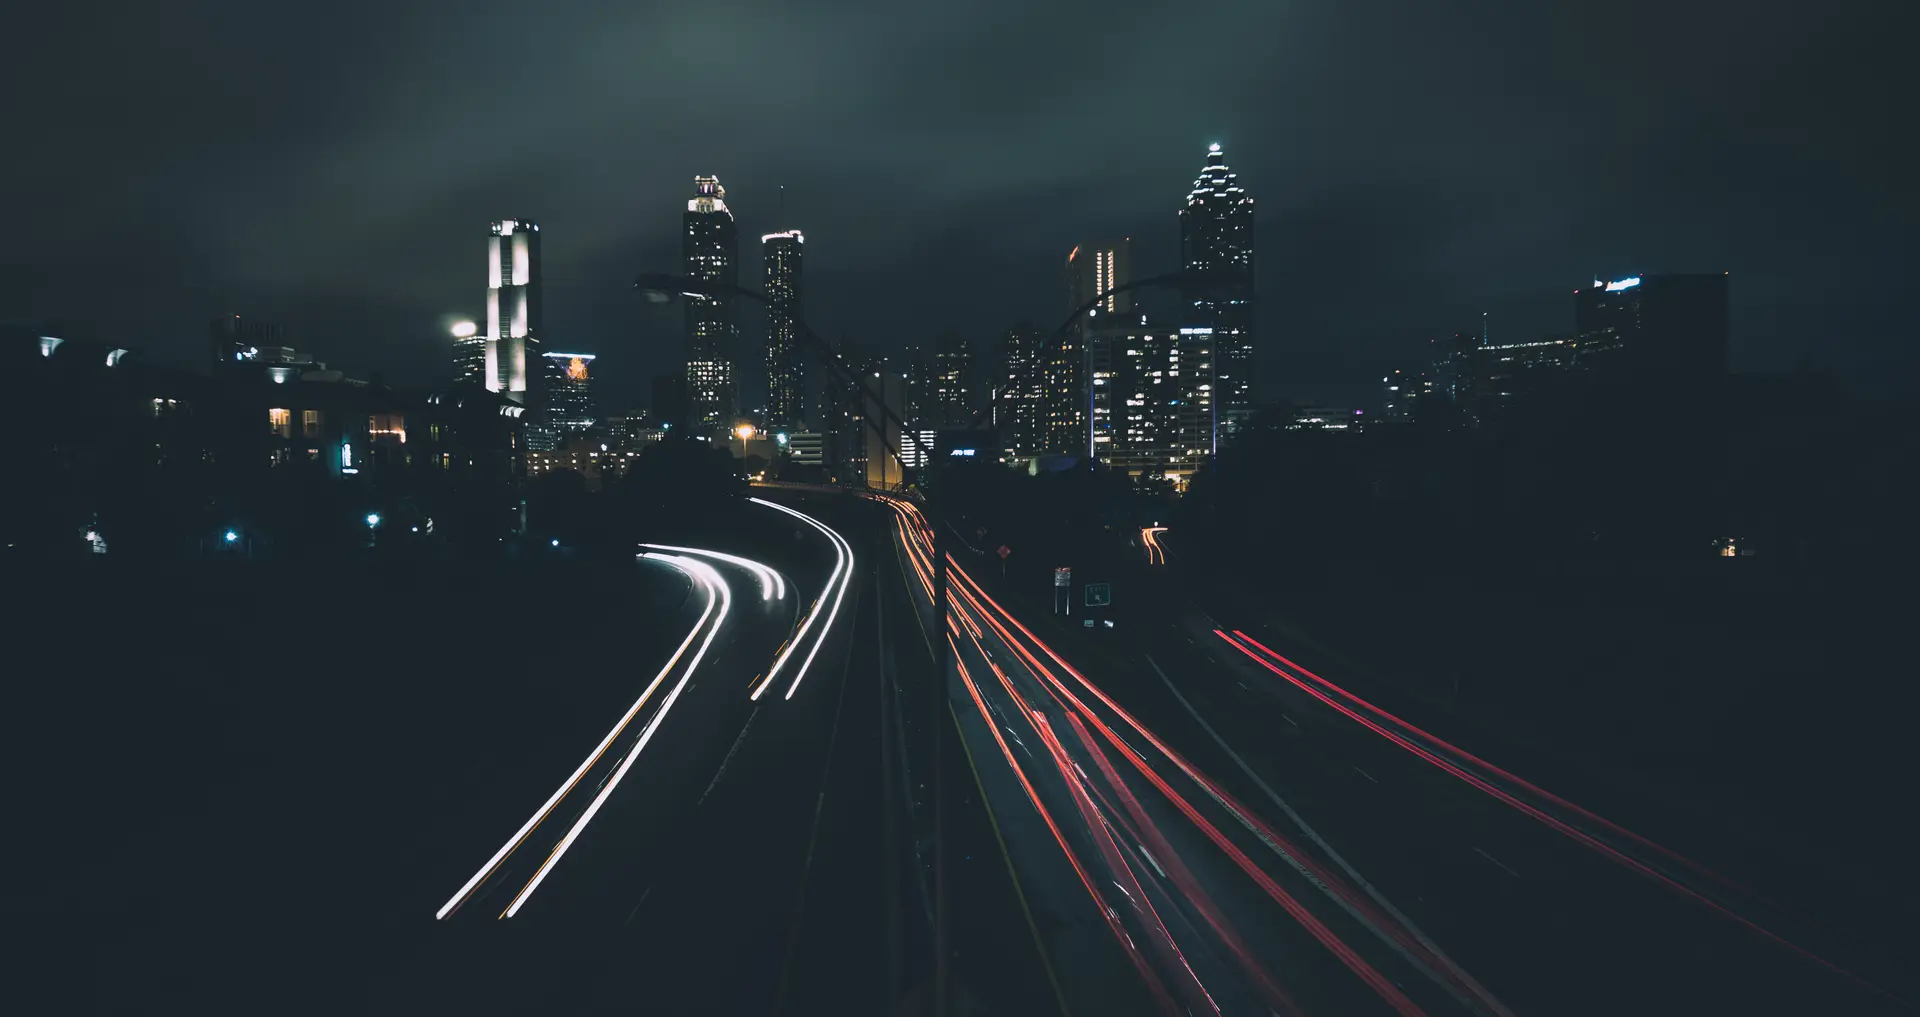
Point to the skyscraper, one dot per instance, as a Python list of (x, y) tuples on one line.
[(947, 375), (786, 361), (512, 327), (1654, 328), (1216, 235), (1093, 269), (566, 396), (470, 354), (710, 247), (1017, 407)]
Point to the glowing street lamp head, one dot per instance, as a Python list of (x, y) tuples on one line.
[(744, 431), (465, 329), (232, 536), (373, 519)]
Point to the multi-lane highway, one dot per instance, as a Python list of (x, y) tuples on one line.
[(1202, 823), (703, 853)]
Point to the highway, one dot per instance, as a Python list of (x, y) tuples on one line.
[(704, 853), (1202, 823)]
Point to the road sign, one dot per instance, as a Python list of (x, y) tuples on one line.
[(1063, 577), (1099, 594), (1004, 551)]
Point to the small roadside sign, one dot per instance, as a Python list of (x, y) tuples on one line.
[(1004, 551), (1099, 594), (1063, 577)]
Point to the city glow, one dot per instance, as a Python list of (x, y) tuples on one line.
[(465, 329)]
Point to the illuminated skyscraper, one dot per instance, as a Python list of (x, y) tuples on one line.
[(1017, 406), (1216, 235), (710, 247), (512, 326), (566, 396), (1093, 269), (786, 361)]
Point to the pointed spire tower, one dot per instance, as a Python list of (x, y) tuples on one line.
[(1216, 235)]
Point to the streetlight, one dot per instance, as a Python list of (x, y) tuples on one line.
[(373, 520), (232, 536)]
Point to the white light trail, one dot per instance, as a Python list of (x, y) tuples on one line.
[(772, 586), (714, 582), (514, 841), (842, 573)]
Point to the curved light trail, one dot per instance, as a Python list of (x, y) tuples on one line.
[(713, 581), (716, 596), (842, 574), (772, 585), (974, 617), (1150, 536)]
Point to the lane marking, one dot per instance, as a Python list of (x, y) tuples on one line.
[(1363, 773), (1496, 861)]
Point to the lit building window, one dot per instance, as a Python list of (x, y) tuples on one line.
[(281, 421), (310, 423)]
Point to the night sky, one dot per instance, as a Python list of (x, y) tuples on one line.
[(334, 166)]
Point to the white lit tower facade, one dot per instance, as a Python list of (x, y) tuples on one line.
[(512, 328), (710, 247), (1216, 235), (786, 361)]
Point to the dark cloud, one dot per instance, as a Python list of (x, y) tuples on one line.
[(1416, 163)]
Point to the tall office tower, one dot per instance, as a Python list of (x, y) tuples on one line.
[(1017, 399), (1216, 235), (229, 338), (1654, 328), (470, 354), (1063, 396), (710, 246), (786, 360), (566, 395), (1093, 269), (513, 309), (1150, 408), (947, 379)]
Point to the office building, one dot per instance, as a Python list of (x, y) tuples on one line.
[(710, 250), (1017, 398), (1093, 269), (469, 355), (883, 404), (513, 310), (567, 395), (1150, 408), (948, 397), (1216, 236), (1654, 329), (1405, 395), (782, 254)]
